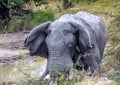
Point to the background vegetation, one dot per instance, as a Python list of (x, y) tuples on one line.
[(22, 15)]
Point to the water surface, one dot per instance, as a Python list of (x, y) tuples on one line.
[(23, 69)]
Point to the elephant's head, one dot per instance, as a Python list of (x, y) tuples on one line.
[(57, 41)]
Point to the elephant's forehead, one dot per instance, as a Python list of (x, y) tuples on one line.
[(58, 25)]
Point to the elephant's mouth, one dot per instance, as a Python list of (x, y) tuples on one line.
[(61, 65)]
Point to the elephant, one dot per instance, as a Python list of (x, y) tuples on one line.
[(62, 41)]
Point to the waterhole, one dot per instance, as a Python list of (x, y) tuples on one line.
[(23, 69)]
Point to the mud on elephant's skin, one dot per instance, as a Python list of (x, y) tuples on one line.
[(61, 41)]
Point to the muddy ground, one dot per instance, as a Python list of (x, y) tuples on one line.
[(12, 46)]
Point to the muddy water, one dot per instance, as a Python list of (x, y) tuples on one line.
[(14, 66), (23, 69)]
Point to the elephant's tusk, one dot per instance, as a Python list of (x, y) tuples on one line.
[(70, 74), (45, 74)]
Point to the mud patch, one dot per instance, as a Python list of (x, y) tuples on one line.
[(12, 47), (8, 56)]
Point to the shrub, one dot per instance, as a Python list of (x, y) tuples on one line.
[(26, 22), (18, 23), (40, 17)]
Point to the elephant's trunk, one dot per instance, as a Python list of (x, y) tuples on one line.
[(60, 60), (55, 61)]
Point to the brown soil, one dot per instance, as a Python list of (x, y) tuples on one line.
[(12, 45)]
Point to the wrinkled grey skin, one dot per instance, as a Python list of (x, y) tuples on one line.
[(62, 40)]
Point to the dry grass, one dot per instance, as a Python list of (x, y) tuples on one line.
[(95, 81)]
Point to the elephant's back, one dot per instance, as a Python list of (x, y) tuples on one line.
[(95, 22), (97, 26), (89, 18)]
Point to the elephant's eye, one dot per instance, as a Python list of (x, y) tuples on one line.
[(48, 31), (66, 32)]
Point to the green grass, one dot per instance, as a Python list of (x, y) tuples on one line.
[(117, 80), (41, 16)]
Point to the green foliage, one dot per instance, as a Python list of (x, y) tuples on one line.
[(19, 24), (21, 16), (26, 22), (3, 26), (40, 17), (13, 3), (20, 8), (70, 3), (40, 2), (67, 4), (117, 80), (21, 3)]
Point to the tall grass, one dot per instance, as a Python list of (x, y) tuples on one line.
[(114, 33)]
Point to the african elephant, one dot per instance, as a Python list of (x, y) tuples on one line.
[(59, 41)]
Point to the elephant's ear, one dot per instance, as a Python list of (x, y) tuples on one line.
[(83, 29), (35, 41)]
